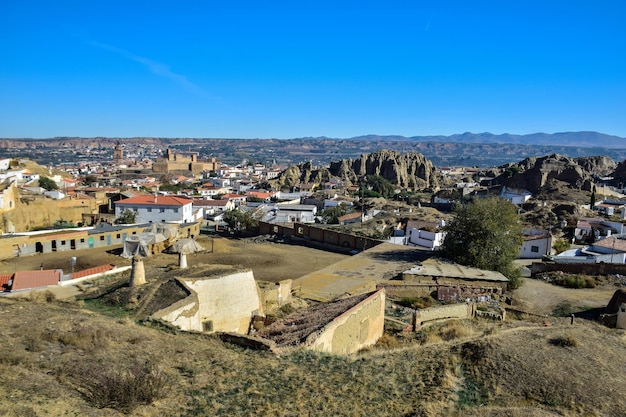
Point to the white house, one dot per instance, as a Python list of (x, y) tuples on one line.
[(5, 163), (213, 207), (515, 196), (592, 229), (210, 190), (536, 243), (290, 213), (157, 208), (425, 235), (611, 249), (55, 194)]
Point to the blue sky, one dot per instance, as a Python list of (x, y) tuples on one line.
[(290, 69)]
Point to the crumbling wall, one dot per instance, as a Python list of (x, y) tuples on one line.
[(359, 327), (224, 304), (448, 311)]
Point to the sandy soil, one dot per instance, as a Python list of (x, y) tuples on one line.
[(269, 261), (542, 298)]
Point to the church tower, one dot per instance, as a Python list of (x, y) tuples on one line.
[(118, 154)]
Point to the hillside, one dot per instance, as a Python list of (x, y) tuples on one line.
[(69, 363)]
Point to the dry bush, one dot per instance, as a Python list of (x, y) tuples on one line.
[(564, 341), (416, 302), (449, 331), (387, 341), (33, 342), (81, 337), (120, 388), (452, 331)]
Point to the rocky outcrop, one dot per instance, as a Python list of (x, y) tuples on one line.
[(407, 171), (535, 172), (620, 172)]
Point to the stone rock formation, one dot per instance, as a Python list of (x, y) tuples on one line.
[(620, 172), (407, 171), (535, 172)]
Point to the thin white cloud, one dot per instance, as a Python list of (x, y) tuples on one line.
[(155, 67)]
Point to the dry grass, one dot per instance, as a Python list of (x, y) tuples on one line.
[(56, 366)]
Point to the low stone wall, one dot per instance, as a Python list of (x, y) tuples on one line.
[(319, 235), (578, 268), (402, 289), (448, 311), (493, 315)]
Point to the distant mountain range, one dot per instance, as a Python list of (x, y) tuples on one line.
[(579, 139)]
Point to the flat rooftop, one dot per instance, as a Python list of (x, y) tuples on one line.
[(359, 273), (438, 268)]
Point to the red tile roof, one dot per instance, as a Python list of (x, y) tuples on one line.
[(233, 196), (33, 279), (259, 194), (151, 200), (4, 280), (92, 271)]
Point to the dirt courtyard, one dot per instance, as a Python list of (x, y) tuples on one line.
[(274, 262), (269, 261)]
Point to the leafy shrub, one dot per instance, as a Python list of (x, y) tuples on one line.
[(121, 389), (575, 281), (561, 245)]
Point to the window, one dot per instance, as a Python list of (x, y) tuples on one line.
[(534, 249), (62, 242), (149, 210), (102, 237), (175, 210), (82, 241), (117, 236), (162, 210), (207, 326)]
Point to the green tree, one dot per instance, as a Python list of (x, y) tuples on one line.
[(331, 214), (47, 184), (127, 217), (171, 188), (379, 186), (592, 203), (239, 220), (486, 234)]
